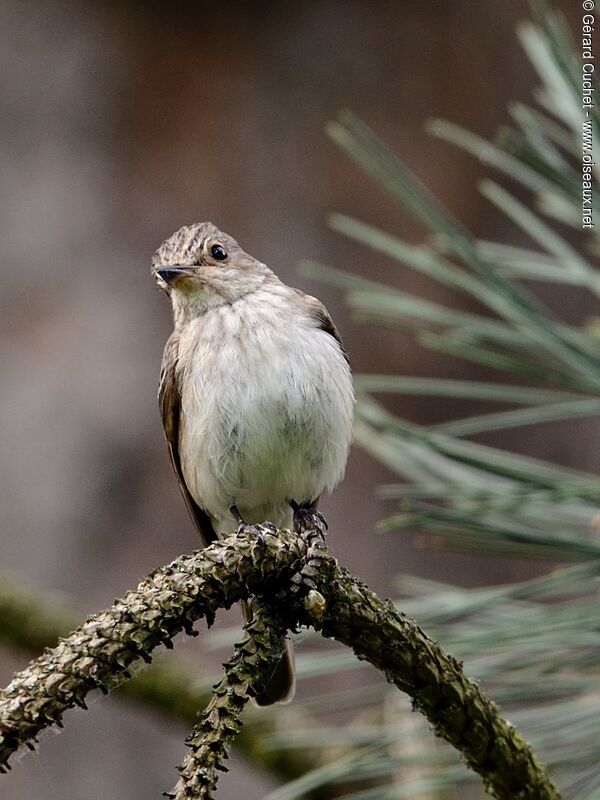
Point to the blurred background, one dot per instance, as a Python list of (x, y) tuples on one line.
[(124, 121)]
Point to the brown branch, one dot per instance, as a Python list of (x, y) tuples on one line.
[(30, 624), (221, 722), (298, 572)]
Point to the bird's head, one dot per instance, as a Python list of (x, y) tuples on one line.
[(200, 267)]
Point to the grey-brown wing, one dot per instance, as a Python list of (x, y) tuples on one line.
[(322, 318), (169, 400)]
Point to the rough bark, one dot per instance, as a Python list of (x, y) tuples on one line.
[(296, 573), (221, 722)]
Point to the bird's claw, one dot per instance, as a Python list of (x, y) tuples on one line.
[(309, 518), (253, 530), (260, 540)]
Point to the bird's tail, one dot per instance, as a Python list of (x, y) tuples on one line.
[(280, 684)]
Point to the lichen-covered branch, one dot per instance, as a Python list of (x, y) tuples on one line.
[(221, 722), (298, 573), (98, 654), (454, 704), (30, 623)]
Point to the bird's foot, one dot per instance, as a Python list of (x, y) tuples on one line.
[(306, 517), (244, 527)]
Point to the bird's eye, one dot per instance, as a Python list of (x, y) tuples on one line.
[(218, 253)]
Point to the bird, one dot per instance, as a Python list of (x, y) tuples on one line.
[(255, 393)]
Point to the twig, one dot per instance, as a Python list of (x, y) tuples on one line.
[(98, 655), (31, 623), (454, 704), (221, 722), (298, 573)]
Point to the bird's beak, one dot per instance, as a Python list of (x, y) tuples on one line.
[(172, 275)]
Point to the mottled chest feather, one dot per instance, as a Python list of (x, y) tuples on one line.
[(266, 406)]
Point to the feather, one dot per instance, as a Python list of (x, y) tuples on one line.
[(169, 400), (317, 311)]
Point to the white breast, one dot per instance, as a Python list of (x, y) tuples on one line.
[(266, 409)]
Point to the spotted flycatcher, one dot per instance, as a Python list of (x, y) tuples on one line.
[(255, 393)]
